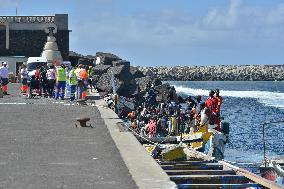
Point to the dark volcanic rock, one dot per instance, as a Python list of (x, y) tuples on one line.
[(163, 92), (124, 106), (121, 72), (101, 69), (124, 82), (85, 61), (121, 63), (104, 83), (145, 82), (107, 58), (136, 72)]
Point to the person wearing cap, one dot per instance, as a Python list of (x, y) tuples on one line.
[(60, 82), (219, 100), (4, 77)]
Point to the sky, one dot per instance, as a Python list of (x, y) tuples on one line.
[(170, 32)]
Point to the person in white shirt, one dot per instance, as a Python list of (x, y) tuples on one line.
[(4, 77), (24, 78), (50, 74)]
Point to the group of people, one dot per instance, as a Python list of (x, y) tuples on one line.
[(172, 118), (55, 80)]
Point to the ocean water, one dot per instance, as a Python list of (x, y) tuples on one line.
[(246, 106)]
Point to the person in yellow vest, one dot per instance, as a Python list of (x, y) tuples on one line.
[(72, 83), (60, 82)]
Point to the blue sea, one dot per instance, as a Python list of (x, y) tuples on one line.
[(246, 106)]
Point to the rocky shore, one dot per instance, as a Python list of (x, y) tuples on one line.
[(216, 73), (133, 83)]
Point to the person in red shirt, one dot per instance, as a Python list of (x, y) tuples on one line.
[(211, 104), (218, 108)]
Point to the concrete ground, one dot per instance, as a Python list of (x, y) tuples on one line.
[(41, 148)]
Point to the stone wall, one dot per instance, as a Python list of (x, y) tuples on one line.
[(217, 73), (31, 42)]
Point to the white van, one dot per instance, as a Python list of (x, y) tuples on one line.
[(34, 62)]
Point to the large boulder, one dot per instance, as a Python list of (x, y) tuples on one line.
[(136, 72), (164, 90), (125, 106), (121, 63), (107, 58), (101, 69), (121, 72), (86, 61), (124, 82), (145, 82)]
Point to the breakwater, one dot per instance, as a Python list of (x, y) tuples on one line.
[(216, 73)]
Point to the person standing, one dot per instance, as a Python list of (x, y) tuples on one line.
[(60, 82), (72, 83), (79, 81), (4, 76), (91, 77), (84, 77), (50, 74), (219, 100), (43, 80), (211, 104), (24, 78)]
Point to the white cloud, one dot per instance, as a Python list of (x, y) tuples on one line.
[(223, 18), (237, 27)]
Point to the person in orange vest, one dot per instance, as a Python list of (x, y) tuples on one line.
[(83, 89), (219, 100)]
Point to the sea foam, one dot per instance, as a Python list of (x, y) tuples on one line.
[(267, 98)]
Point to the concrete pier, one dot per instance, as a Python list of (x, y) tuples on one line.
[(40, 147)]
